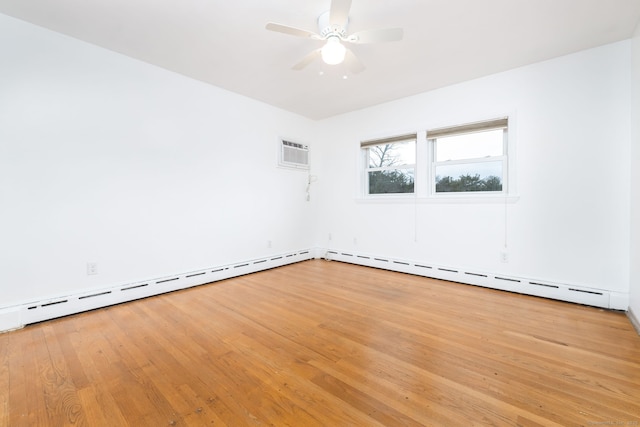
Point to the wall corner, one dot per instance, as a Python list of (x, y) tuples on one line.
[(635, 321)]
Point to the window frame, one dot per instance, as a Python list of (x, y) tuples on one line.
[(425, 166), (465, 129), (365, 146)]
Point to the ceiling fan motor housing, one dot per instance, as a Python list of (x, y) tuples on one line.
[(327, 30)]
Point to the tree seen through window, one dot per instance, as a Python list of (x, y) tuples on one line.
[(391, 168)]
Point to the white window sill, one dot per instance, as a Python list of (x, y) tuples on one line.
[(440, 199)]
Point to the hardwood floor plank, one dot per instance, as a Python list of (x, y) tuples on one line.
[(325, 343), (5, 384), (100, 407), (29, 384), (289, 378), (385, 388), (443, 357), (201, 371), (15, 371), (446, 397)]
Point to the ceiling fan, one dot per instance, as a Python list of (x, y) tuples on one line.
[(332, 28)]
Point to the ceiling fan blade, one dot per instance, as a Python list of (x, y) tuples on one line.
[(307, 60), (352, 62), (292, 31), (376, 36), (339, 12)]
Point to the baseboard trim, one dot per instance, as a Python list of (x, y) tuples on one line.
[(523, 285), (16, 317), (635, 321)]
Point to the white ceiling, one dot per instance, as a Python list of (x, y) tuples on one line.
[(224, 43)]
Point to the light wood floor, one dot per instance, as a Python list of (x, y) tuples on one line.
[(325, 343)]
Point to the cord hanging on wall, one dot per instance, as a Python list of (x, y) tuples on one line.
[(312, 178)]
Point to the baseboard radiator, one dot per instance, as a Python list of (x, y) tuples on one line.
[(541, 288), (16, 317)]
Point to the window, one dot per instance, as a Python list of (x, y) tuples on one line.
[(390, 165), (468, 161), (469, 158)]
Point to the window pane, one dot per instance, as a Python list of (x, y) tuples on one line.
[(392, 181), (470, 146), (394, 154), (481, 176)]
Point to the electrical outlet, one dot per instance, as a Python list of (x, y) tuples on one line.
[(330, 237), (92, 268), (355, 240), (504, 257), (269, 243)]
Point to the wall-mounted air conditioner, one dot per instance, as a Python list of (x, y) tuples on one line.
[(293, 155)]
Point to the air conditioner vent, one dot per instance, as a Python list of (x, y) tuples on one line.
[(294, 155)]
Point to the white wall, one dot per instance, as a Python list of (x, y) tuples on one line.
[(109, 160), (571, 222), (147, 173), (634, 306)]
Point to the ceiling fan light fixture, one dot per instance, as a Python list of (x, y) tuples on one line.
[(333, 51), (332, 29)]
